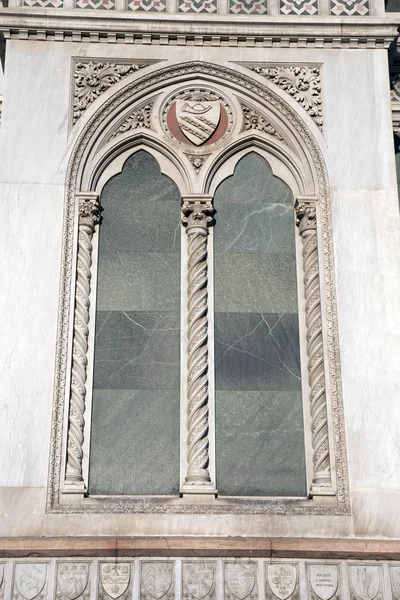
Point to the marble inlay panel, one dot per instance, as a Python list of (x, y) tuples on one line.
[(137, 350), (138, 432), (259, 422), (260, 443)]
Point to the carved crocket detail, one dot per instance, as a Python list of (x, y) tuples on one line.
[(306, 220), (89, 216), (197, 219)]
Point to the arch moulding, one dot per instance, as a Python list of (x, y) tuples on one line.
[(295, 155)]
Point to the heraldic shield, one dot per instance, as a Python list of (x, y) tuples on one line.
[(157, 578), (324, 580), (365, 581), (115, 578), (198, 119), (1, 575), (240, 579), (395, 576), (73, 578), (282, 580), (30, 579), (198, 579)]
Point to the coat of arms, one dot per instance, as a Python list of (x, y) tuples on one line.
[(156, 579), (282, 580), (1, 574), (30, 579), (395, 577), (198, 119), (115, 578), (324, 580), (73, 578), (198, 579), (240, 579), (365, 581)]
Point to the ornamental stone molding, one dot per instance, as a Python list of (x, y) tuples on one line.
[(197, 218), (89, 217), (302, 83), (253, 119), (92, 78), (139, 118), (308, 162), (306, 220)]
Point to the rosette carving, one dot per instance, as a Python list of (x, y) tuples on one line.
[(89, 216), (306, 220)]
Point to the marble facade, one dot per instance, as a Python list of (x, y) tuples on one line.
[(67, 65)]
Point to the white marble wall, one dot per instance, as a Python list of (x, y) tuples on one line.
[(35, 146)]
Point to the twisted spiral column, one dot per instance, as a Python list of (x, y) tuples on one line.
[(197, 218), (307, 223), (89, 216)]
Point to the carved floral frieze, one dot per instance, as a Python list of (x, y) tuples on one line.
[(302, 83), (93, 78)]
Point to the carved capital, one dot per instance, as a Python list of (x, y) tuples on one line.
[(306, 215), (89, 209), (197, 214)]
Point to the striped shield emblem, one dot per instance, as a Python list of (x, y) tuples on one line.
[(198, 119)]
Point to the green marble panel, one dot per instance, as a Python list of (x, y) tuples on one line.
[(139, 281), (259, 426), (135, 442), (135, 414), (260, 444)]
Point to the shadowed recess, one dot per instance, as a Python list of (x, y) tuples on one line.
[(259, 412), (135, 416)]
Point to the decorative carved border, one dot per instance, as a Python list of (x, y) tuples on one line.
[(153, 505)]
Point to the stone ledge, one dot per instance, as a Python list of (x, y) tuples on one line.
[(200, 546)]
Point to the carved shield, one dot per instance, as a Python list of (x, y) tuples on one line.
[(73, 578), (115, 578), (282, 580), (365, 581), (324, 580), (1, 574), (199, 579), (30, 579), (240, 578), (156, 578), (395, 576), (198, 119)]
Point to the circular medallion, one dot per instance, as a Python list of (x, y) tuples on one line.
[(197, 118)]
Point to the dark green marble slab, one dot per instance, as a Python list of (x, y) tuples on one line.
[(135, 442), (260, 444)]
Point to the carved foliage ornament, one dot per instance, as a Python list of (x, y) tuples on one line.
[(139, 118), (302, 83), (253, 119), (93, 78)]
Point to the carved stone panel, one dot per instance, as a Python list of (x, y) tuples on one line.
[(282, 581), (114, 581), (157, 580), (30, 581), (72, 581), (240, 581), (395, 581), (365, 582), (2, 579), (324, 582), (198, 580)]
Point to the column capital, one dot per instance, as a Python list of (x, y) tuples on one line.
[(197, 212), (89, 208), (306, 214)]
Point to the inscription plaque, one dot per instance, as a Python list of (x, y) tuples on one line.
[(324, 580)]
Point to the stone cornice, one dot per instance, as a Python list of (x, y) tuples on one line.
[(182, 29), (260, 547)]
